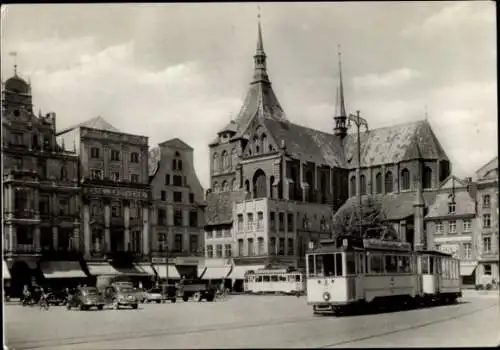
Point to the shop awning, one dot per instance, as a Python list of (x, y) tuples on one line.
[(147, 269), (466, 269), (161, 270), (133, 270), (5, 271), (239, 271), (216, 273), (62, 269), (99, 269)]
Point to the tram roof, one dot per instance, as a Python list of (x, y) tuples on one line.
[(354, 243)]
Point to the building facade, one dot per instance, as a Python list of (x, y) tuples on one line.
[(177, 220), (452, 225), (487, 214), (115, 190), (40, 187), (305, 175)]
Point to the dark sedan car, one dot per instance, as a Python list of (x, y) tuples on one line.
[(85, 298)]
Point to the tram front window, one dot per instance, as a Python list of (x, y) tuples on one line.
[(326, 267)]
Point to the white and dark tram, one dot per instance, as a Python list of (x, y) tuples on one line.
[(348, 273), (281, 281)]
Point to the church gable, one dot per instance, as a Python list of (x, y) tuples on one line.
[(452, 182), (259, 141)]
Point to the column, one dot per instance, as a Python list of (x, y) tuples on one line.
[(330, 185), (55, 237), (145, 229), (36, 238), (12, 237), (126, 217), (383, 179), (76, 236), (86, 229), (107, 222)]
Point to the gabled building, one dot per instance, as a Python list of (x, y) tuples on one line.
[(275, 184), (177, 221), (452, 226)]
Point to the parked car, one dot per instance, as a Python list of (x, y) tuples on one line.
[(121, 295), (56, 297), (154, 295), (84, 298), (196, 290)]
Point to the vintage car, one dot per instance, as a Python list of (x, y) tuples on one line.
[(154, 295), (195, 289), (56, 297), (121, 295), (85, 298)]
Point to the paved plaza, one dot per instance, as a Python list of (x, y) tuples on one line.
[(251, 321)]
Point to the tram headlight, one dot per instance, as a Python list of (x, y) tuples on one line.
[(326, 296)]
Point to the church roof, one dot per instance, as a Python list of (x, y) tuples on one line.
[(98, 123)]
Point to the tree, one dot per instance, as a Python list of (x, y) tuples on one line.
[(374, 223)]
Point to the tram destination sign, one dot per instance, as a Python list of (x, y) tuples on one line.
[(379, 244)]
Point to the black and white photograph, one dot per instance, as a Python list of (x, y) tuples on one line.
[(206, 175)]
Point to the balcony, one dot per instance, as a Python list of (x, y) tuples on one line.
[(22, 249)]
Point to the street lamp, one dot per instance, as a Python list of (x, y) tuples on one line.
[(358, 121)]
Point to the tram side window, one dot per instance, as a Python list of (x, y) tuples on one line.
[(406, 264), (265, 278), (282, 278), (431, 265), (310, 265), (391, 264), (361, 263), (274, 278), (425, 264), (258, 279), (376, 263), (297, 278), (350, 263), (338, 264)]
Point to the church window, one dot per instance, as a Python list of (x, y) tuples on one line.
[(378, 183), (405, 179), (225, 186), (225, 160), (215, 187), (363, 184), (352, 186), (388, 182), (216, 163), (234, 157), (259, 184), (234, 185), (427, 183)]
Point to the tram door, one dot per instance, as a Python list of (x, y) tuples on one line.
[(360, 275), (435, 269)]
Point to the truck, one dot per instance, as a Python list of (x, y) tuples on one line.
[(197, 290)]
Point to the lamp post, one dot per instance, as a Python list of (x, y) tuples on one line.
[(358, 121)]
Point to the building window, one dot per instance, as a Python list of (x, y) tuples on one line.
[(96, 174), (115, 176), (352, 186), (226, 232), (240, 222), (116, 211), (486, 201), (378, 183), (289, 220), (227, 250), (272, 221), (452, 208), (210, 234), (191, 198), (218, 251), (486, 220), (467, 225), (162, 217), (178, 197), (193, 243), (487, 269), (405, 179), (225, 160), (260, 246), (486, 245), (240, 247), (272, 246), (95, 153), (178, 243), (167, 179), (174, 164), (44, 206), (281, 221), (115, 155), (134, 178), (135, 241), (210, 251), (427, 183), (389, 182), (163, 195), (250, 247), (452, 226), (177, 180), (250, 222), (467, 251), (290, 249), (225, 186), (215, 163), (281, 249), (134, 157), (178, 218), (63, 207), (260, 220), (439, 227), (193, 218), (363, 184)]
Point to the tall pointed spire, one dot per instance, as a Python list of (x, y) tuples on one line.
[(260, 70), (341, 118)]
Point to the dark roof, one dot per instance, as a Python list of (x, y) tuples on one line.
[(17, 85), (396, 206), (176, 143), (219, 209), (464, 205), (231, 126), (95, 123), (154, 160)]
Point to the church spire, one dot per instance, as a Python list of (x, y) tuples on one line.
[(341, 117), (260, 70)]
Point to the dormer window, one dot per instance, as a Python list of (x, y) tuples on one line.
[(452, 208)]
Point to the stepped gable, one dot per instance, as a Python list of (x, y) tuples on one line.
[(219, 209)]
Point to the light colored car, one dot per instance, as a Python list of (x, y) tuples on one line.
[(154, 295)]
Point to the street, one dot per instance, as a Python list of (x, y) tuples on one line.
[(252, 321)]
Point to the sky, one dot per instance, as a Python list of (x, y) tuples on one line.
[(182, 70)]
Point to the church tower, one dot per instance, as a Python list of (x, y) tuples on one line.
[(340, 118)]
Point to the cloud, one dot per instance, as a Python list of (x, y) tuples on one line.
[(390, 79)]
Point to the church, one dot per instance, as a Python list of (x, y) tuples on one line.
[(275, 184)]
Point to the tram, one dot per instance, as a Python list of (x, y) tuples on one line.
[(349, 273), (281, 281)]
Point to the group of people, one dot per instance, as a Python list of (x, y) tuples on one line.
[(41, 296)]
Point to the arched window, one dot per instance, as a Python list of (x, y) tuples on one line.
[(323, 188), (225, 160), (405, 179), (427, 183), (234, 158), (234, 185), (263, 142), (378, 183), (215, 187), (225, 186), (309, 180), (256, 144), (216, 163), (352, 186), (259, 184), (363, 184), (247, 186), (388, 182)]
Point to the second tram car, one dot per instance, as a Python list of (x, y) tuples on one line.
[(347, 273), (281, 281)]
